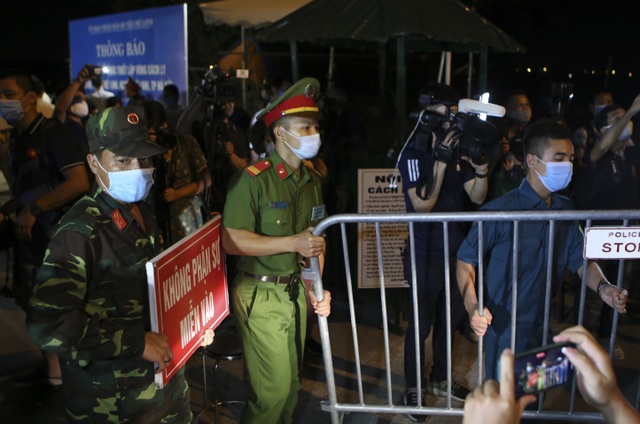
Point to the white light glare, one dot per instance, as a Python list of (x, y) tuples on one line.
[(484, 98)]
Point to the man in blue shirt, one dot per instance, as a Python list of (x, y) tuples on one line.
[(548, 154)]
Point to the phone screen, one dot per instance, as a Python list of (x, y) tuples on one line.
[(540, 369)]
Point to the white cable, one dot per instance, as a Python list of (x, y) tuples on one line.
[(392, 183)]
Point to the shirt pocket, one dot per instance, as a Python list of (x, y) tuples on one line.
[(277, 221), (532, 251)]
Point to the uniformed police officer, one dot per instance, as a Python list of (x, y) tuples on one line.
[(268, 219), (90, 303)]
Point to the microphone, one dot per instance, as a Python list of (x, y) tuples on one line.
[(475, 106)]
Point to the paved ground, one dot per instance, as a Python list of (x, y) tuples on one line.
[(40, 403)]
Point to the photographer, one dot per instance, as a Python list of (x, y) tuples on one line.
[(210, 117), (436, 176), (182, 174), (508, 172)]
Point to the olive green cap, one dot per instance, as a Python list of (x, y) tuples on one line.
[(123, 131), (298, 100)]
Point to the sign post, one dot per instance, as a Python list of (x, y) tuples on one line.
[(188, 293)]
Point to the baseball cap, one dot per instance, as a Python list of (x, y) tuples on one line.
[(298, 100), (123, 131)]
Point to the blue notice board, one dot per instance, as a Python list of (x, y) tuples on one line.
[(148, 45)]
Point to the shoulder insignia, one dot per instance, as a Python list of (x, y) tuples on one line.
[(257, 167)]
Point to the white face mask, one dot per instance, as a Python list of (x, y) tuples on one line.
[(558, 175), (80, 109), (309, 145), (128, 186), (626, 131)]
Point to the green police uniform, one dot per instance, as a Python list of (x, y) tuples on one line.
[(269, 199)]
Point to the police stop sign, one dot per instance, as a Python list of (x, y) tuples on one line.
[(612, 243)]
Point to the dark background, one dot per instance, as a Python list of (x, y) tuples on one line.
[(587, 39)]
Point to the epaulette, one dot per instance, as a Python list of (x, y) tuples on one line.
[(257, 167)]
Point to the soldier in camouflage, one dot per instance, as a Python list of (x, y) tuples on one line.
[(90, 303)]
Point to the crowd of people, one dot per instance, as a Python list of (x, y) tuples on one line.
[(101, 187)]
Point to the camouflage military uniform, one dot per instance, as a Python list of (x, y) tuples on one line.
[(90, 306), (269, 199)]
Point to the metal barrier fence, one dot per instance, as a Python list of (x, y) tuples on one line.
[(337, 409)]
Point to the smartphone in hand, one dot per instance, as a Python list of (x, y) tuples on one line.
[(539, 369)]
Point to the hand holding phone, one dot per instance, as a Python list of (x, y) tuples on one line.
[(596, 378), (539, 369), (494, 402), (94, 70)]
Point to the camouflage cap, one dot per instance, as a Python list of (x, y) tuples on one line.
[(298, 100), (123, 131)]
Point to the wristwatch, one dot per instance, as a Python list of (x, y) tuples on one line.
[(35, 209), (601, 285)]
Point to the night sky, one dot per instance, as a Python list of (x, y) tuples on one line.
[(567, 36)]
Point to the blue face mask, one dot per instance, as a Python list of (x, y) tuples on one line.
[(11, 110), (128, 186), (558, 175)]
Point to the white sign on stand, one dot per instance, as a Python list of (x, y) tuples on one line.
[(612, 243), (377, 194)]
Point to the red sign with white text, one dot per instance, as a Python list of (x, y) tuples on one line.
[(188, 293)]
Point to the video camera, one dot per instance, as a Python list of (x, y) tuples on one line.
[(214, 88), (476, 139), (212, 78)]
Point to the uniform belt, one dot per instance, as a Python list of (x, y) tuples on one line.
[(277, 279)]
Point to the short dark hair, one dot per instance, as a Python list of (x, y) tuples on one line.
[(155, 113), (173, 89), (538, 135), (285, 122), (96, 82), (22, 79)]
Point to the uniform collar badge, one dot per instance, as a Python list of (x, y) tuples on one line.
[(282, 171), (118, 219)]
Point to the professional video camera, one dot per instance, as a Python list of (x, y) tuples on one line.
[(216, 90), (476, 139)]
